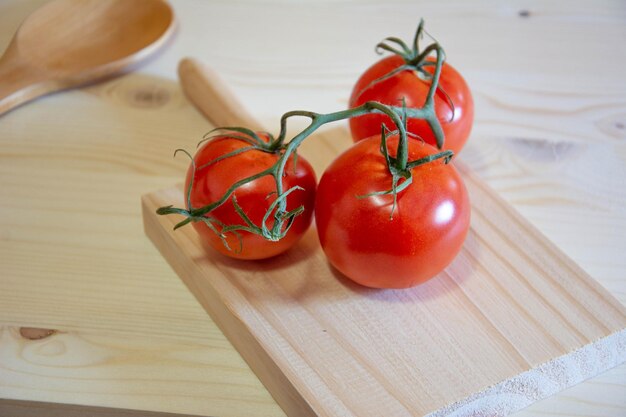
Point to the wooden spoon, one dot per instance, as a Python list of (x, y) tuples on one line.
[(66, 43)]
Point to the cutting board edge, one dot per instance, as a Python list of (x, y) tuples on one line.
[(250, 349), (542, 381)]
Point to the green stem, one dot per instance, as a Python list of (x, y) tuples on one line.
[(208, 208), (399, 166), (418, 34), (401, 163), (318, 120)]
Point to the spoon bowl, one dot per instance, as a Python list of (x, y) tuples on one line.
[(66, 43)]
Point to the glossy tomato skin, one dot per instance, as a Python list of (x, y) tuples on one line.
[(456, 124), (211, 182), (427, 230)]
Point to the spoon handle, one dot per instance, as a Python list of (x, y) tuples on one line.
[(208, 92), (19, 83)]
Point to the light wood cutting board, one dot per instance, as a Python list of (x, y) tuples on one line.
[(511, 321)]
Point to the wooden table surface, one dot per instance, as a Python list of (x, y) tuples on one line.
[(549, 136)]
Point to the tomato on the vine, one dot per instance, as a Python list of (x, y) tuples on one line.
[(455, 112), (214, 177), (374, 246)]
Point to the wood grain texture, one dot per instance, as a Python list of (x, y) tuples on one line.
[(141, 372), (547, 138)]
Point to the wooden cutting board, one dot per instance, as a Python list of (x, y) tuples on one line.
[(511, 321)]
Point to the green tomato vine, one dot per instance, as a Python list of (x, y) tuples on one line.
[(400, 166)]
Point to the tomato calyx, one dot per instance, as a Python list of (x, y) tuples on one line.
[(416, 61), (401, 169), (269, 144), (412, 56)]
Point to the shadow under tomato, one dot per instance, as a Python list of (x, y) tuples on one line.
[(304, 275), (298, 254), (428, 290)]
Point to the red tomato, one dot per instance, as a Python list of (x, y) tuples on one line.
[(211, 182), (406, 84), (427, 229)]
